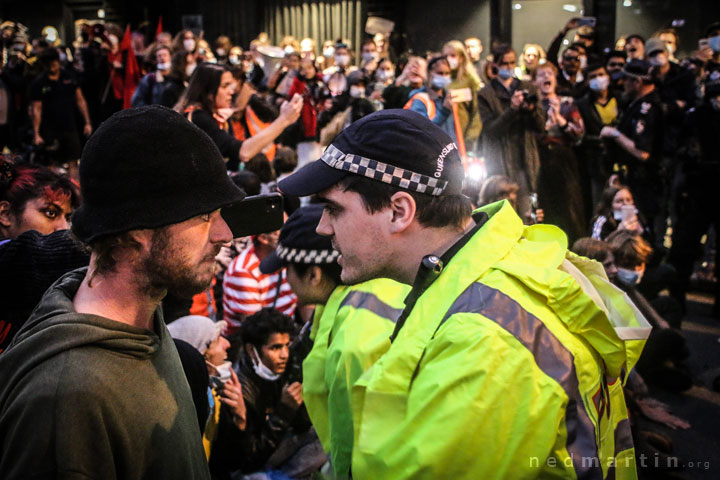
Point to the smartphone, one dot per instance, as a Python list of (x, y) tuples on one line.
[(629, 213), (254, 215), (459, 95), (587, 22), (678, 23)]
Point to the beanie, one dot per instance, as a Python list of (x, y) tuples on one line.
[(149, 167)]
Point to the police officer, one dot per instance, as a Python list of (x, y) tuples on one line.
[(639, 141), (503, 363), (350, 329)]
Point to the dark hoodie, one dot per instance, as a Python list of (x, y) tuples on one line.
[(82, 396)]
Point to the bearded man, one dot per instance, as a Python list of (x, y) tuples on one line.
[(92, 386)]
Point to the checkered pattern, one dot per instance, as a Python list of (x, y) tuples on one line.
[(383, 172), (301, 255)]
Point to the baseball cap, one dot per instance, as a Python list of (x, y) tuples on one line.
[(300, 243), (655, 45), (397, 147)]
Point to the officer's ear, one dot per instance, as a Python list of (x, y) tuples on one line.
[(403, 208), (315, 275)]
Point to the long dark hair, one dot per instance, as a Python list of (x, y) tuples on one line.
[(604, 206), (204, 84)]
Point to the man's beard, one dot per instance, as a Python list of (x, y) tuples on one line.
[(167, 269)]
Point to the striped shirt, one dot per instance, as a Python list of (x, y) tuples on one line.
[(246, 290)]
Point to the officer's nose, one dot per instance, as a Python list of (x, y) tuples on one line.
[(324, 227)]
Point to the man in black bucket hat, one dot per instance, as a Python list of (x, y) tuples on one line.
[(92, 385)]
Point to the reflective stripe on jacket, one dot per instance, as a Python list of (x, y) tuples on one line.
[(255, 125), (507, 367), (352, 330)]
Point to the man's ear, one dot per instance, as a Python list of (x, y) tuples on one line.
[(403, 208), (143, 238), (316, 275), (6, 217)]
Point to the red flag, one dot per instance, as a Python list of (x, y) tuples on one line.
[(132, 70), (159, 28)]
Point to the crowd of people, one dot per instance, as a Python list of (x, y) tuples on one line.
[(617, 145)]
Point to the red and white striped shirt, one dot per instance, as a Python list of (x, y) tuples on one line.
[(247, 290)]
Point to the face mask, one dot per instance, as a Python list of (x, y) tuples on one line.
[(715, 43), (189, 44), (357, 92), (289, 49), (599, 84), (233, 59), (367, 56), (658, 61), (438, 81), (583, 62), (342, 60), (190, 69), (329, 52), (453, 62), (505, 73), (163, 66), (385, 75), (615, 76), (223, 371), (63, 57), (618, 215), (629, 277), (260, 369), (220, 52)]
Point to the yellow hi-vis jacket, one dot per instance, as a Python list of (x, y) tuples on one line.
[(510, 365), (350, 332)]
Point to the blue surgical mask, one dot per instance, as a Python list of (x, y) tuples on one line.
[(505, 73), (438, 81), (715, 43), (615, 76), (599, 84), (628, 277)]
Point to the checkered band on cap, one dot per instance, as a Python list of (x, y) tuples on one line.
[(383, 172), (302, 255)]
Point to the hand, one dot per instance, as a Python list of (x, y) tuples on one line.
[(630, 224), (87, 129), (517, 99), (231, 395), (609, 132), (38, 139), (292, 395), (571, 24), (290, 111), (447, 102)]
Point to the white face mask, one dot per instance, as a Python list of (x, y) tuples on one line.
[(357, 92), (453, 62), (233, 59), (367, 56), (618, 215), (189, 44), (385, 75), (163, 66), (342, 60), (289, 49), (439, 81), (260, 369), (220, 52), (599, 84), (329, 52)]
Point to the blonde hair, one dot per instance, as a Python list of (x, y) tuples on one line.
[(465, 68), (542, 56)]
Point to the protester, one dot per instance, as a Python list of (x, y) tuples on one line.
[(96, 347), (532, 56), (466, 84), (207, 104), (150, 89), (511, 121)]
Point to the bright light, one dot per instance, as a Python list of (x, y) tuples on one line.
[(517, 6), (101, 13), (570, 8), (627, 3), (476, 170), (566, 41)]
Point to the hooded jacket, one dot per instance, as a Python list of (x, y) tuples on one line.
[(510, 365), (82, 396)]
